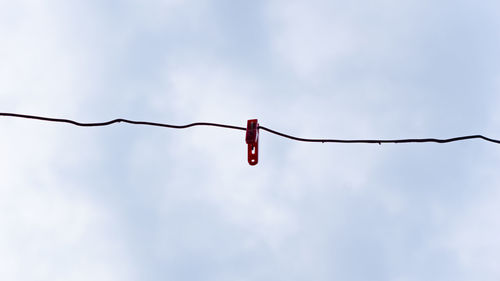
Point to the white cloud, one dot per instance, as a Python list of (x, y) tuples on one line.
[(53, 229), (474, 237), (38, 73), (316, 37), (311, 35)]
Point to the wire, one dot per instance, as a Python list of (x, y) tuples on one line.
[(383, 141), (379, 141), (121, 120)]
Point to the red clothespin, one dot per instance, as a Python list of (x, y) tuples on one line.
[(252, 140)]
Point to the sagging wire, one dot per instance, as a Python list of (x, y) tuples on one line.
[(252, 132)]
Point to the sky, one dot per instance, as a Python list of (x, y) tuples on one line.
[(128, 202)]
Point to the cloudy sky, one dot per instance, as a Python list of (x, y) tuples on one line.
[(143, 203)]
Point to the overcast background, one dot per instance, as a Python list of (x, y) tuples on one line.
[(143, 203)]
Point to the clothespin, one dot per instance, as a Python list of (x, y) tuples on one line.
[(252, 139)]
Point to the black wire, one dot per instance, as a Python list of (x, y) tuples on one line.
[(121, 120), (383, 141), (244, 129)]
